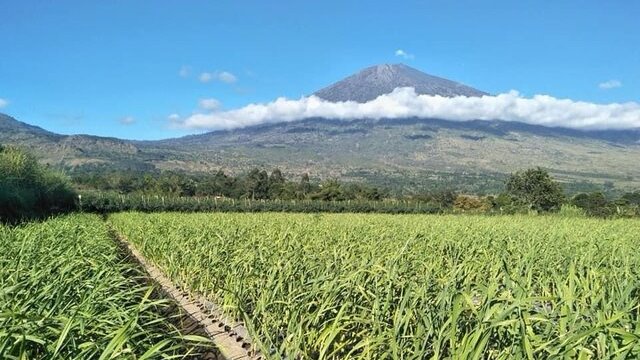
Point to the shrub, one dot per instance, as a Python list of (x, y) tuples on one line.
[(594, 204), (470, 203), (27, 189)]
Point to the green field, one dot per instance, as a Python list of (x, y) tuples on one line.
[(314, 286), (66, 292)]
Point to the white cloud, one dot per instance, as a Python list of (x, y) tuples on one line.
[(3, 103), (185, 71), (403, 54), (205, 77), (223, 76), (610, 84), (173, 117), (227, 77), (127, 120), (404, 102), (209, 104)]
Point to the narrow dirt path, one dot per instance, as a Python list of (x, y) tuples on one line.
[(200, 316)]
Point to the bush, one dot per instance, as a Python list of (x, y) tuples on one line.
[(470, 203), (594, 204), (29, 190)]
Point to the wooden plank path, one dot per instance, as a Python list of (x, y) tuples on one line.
[(201, 317)]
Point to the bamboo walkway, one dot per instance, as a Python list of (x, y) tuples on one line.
[(198, 315)]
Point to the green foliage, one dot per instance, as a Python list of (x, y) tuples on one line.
[(255, 185), (104, 203), (442, 199), (631, 198), (329, 190), (66, 293), (363, 286), (28, 189), (535, 189), (594, 204), (276, 184), (304, 187), (527, 191), (571, 211)]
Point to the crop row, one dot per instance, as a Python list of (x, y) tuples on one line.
[(409, 286), (66, 292), (109, 202)]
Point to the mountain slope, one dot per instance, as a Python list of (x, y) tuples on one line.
[(67, 151), (12, 128), (405, 154), (374, 81), (418, 150), (408, 154)]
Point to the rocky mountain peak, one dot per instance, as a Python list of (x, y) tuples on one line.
[(377, 80)]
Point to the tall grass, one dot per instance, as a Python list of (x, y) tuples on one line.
[(30, 190), (365, 286), (66, 293)]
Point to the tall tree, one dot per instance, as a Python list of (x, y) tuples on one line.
[(535, 189), (276, 184), (257, 184), (304, 187)]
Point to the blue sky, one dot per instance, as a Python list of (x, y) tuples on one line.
[(113, 68)]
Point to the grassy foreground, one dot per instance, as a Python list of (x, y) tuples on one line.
[(409, 286), (66, 293)]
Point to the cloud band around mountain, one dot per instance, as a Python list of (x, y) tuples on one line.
[(405, 103)]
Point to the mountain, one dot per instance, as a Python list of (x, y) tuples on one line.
[(403, 154), (12, 128), (71, 151), (374, 81), (412, 153)]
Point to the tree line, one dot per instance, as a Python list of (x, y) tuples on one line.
[(524, 191), (28, 189), (257, 184)]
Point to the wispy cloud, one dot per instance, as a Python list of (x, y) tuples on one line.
[(185, 71), (227, 77), (222, 76), (205, 77), (3, 103), (610, 84), (209, 104), (127, 120), (404, 103), (403, 54), (173, 117)]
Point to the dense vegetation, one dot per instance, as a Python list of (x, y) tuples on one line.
[(409, 286), (27, 189), (524, 191), (256, 185), (66, 293), (597, 204), (111, 203), (535, 189)]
